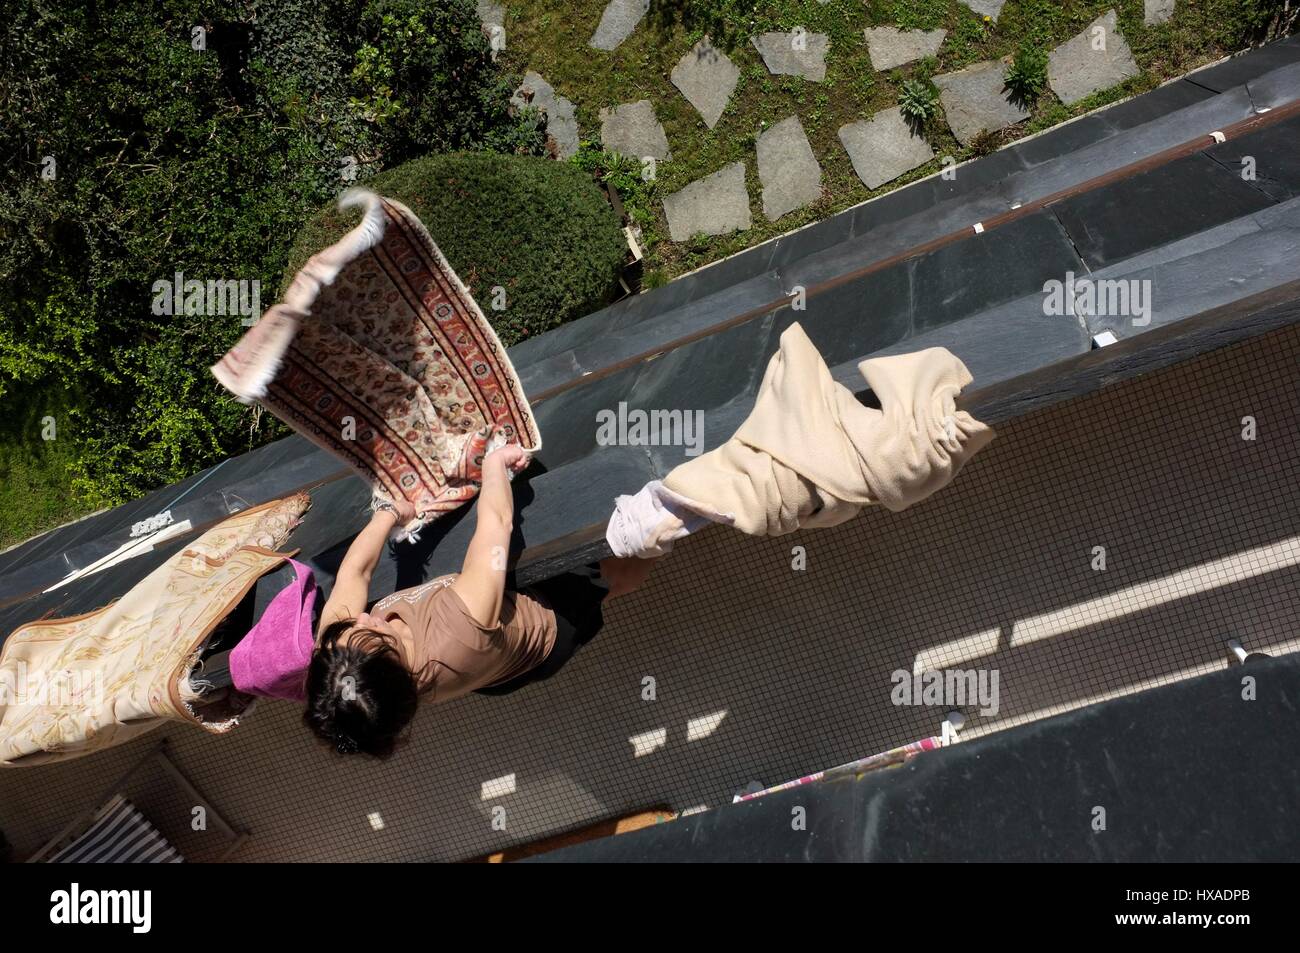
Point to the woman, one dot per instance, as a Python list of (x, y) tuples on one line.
[(453, 635)]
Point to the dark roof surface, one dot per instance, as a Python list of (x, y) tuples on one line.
[(1016, 795)]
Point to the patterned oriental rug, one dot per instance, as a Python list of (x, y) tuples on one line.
[(69, 687), (379, 354)]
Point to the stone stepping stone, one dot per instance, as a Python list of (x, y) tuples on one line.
[(490, 14), (1157, 11), (975, 100), (632, 130), (782, 58), (493, 17), (890, 47), (714, 205), (617, 23), (707, 78), (787, 169), (561, 126), (1077, 69), (986, 8), (884, 147)]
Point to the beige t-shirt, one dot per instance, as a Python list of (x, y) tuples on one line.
[(453, 653)]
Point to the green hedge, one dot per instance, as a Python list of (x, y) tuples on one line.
[(539, 229)]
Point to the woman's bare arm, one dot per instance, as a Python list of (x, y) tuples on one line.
[(482, 581), (352, 583)]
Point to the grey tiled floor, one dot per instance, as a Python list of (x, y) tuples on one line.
[(762, 672)]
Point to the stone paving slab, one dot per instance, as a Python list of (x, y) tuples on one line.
[(633, 131), (986, 8), (493, 17), (1077, 68), (787, 169), (618, 21), (884, 147), (781, 57), (490, 14), (714, 205), (561, 126), (1157, 11), (975, 99), (890, 47), (707, 78)]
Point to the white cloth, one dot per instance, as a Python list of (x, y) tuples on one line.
[(810, 455), (647, 523)]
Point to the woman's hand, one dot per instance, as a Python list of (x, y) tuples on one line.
[(398, 512), (404, 509), (512, 456)]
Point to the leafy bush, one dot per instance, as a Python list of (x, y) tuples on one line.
[(1027, 75), (164, 160), (918, 101), (424, 76), (540, 229), (300, 64), (204, 154)]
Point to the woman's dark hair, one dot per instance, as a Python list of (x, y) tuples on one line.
[(360, 696)]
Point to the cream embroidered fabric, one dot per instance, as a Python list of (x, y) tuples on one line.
[(72, 686)]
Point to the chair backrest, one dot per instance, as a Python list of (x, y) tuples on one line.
[(118, 834), (156, 791)]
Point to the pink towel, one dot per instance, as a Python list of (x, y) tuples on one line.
[(271, 660)]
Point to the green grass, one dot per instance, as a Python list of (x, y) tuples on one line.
[(550, 36), (35, 474)]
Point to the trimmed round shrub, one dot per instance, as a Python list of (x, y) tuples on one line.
[(541, 230)]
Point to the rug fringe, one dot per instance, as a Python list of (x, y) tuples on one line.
[(250, 367)]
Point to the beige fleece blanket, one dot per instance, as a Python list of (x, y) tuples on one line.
[(72, 686), (809, 455)]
